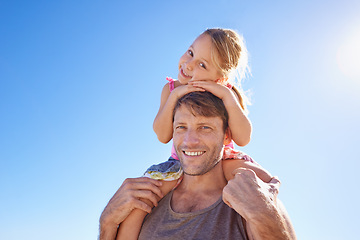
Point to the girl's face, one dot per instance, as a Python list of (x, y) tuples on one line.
[(197, 64)]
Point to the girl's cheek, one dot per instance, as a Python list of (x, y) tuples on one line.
[(196, 76)]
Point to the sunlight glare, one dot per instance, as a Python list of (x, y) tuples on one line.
[(348, 56)]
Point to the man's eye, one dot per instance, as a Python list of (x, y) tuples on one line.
[(202, 65), (190, 53), (205, 127), (180, 127)]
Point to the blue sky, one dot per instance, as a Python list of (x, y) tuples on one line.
[(80, 85)]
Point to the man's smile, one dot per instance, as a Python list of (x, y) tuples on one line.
[(198, 153)]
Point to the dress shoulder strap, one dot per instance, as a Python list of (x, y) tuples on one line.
[(171, 83)]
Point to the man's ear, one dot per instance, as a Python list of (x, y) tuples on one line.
[(227, 138)]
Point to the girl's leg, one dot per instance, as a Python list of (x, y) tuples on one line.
[(229, 165), (130, 228)]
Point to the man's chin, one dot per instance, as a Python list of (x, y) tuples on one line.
[(200, 172)]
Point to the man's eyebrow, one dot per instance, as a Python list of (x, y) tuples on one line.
[(205, 123)]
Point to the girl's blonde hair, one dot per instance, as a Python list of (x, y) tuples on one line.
[(232, 59)]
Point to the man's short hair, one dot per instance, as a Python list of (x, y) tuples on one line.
[(204, 104)]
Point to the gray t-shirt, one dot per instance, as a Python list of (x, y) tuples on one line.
[(218, 221)]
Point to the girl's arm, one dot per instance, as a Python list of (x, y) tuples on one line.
[(229, 165), (130, 228), (163, 123), (239, 124)]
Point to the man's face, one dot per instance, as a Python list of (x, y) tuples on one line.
[(198, 141)]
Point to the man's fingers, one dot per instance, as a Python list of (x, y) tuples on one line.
[(142, 206), (143, 184), (138, 189), (146, 194), (275, 180), (274, 186), (244, 171), (147, 187), (227, 202), (143, 179)]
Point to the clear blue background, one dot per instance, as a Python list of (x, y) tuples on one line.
[(80, 85)]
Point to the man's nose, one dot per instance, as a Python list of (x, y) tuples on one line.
[(191, 138)]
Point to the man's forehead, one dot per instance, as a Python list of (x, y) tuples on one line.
[(185, 114)]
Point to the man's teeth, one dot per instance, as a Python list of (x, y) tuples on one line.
[(193, 153)]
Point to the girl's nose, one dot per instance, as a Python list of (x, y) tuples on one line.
[(189, 65)]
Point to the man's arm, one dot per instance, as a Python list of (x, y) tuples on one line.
[(126, 199), (271, 224), (256, 202)]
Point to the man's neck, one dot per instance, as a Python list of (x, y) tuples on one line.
[(198, 192)]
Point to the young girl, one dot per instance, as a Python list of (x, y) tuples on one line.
[(210, 64)]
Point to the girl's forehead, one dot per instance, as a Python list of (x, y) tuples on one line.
[(203, 40), (204, 47)]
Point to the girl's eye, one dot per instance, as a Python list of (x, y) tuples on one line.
[(190, 53), (202, 65)]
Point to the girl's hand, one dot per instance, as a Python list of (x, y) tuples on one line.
[(218, 90), (185, 89)]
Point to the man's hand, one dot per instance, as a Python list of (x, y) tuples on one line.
[(127, 198), (246, 192), (257, 203)]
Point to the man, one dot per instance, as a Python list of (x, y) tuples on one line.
[(204, 205)]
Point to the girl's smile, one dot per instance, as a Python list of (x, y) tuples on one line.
[(182, 72)]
